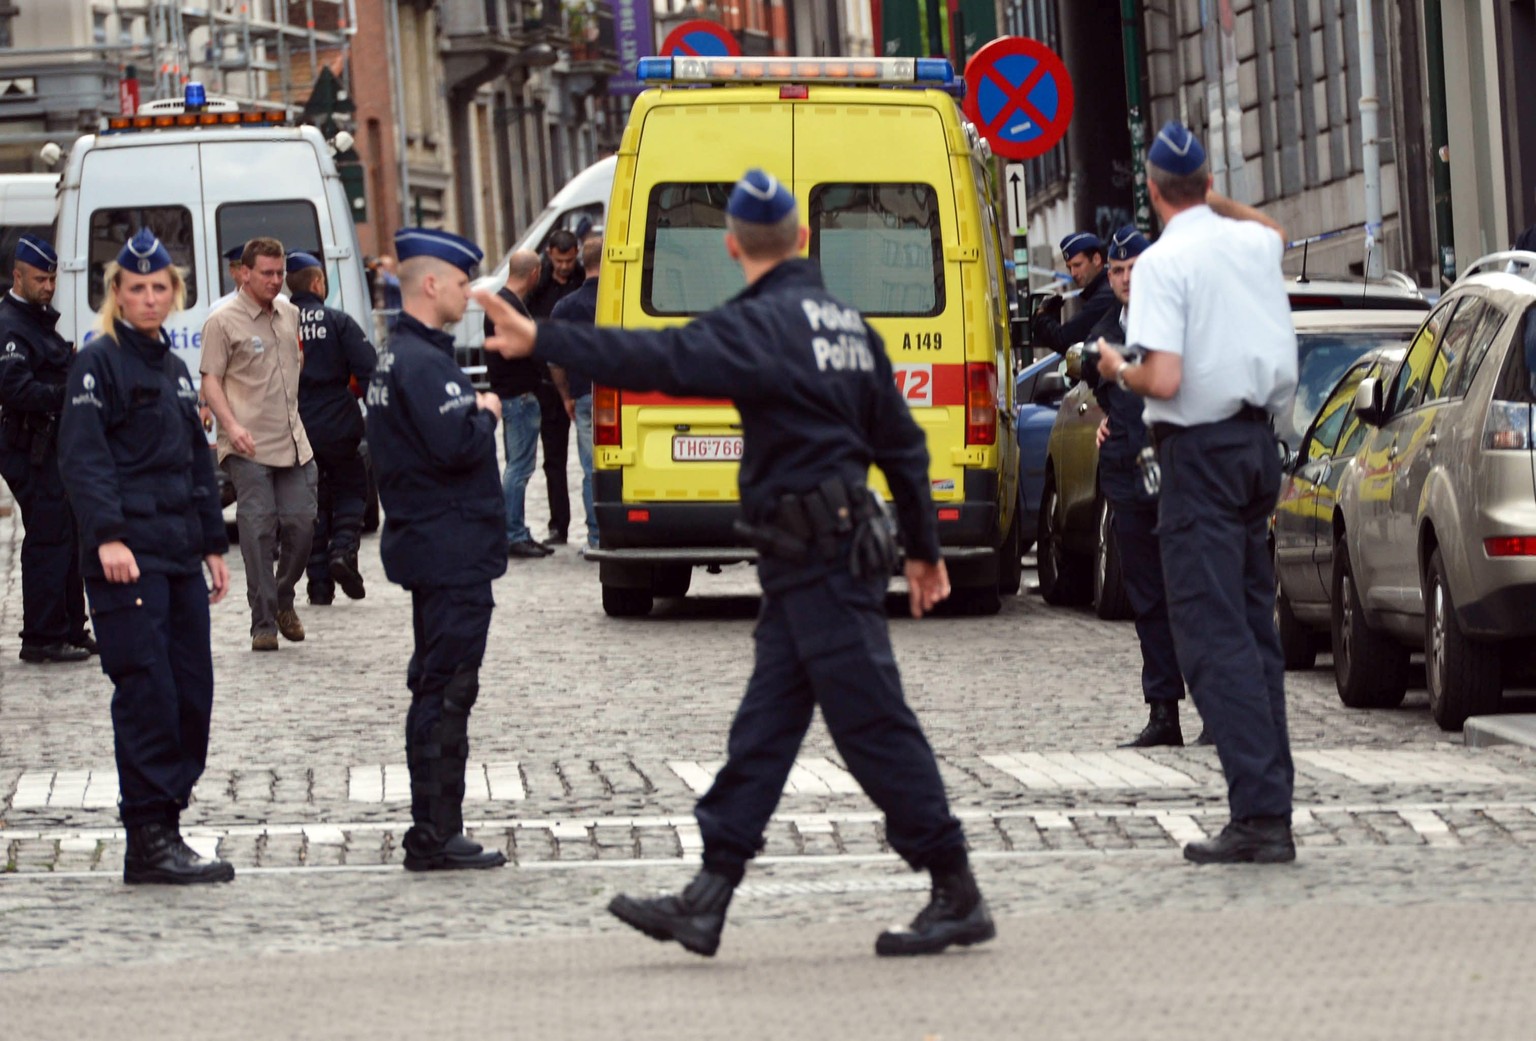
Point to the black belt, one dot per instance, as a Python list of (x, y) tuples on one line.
[(1247, 414)]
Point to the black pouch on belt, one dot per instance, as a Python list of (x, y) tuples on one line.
[(875, 550)]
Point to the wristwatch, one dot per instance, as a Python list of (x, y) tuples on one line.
[(1120, 374)]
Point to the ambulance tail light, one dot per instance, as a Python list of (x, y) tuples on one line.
[(980, 404), (605, 416)]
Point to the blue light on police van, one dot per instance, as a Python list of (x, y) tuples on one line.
[(653, 69), (196, 97), (934, 70)]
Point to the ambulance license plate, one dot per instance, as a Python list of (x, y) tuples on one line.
[(688, 448)]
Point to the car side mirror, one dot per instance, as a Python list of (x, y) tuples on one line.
[(1289, 457), (1049, 388), (1368, 404)]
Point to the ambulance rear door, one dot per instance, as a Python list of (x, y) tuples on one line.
[(691, 152), (874, 182)]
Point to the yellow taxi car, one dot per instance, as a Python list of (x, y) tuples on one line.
[(896, 189)]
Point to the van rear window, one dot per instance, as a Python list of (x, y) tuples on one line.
[(880, 247), (292, 222), (110, 228), (687, 270)]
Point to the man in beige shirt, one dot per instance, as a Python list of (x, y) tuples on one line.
[(250, 367)]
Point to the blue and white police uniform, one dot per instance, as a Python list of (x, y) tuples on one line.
[(136, 463), (1095, 301), (1210, 290), (34, 364), (336, 352), (1134, 508), (818, 403), (444, 539)]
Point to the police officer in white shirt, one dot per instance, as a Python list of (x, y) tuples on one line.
[(1212, 324)]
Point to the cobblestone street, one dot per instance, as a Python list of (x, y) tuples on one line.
[(1408, 913)]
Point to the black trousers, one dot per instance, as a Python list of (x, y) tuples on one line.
[(555, 437), (1220, 484), (155, 646), (52, 594), (826, 643), (450, 624), (340, 497), (1141, 570)]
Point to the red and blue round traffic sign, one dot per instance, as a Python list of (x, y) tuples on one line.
[(1019, 95), (700, 38)]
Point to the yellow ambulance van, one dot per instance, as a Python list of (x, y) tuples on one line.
[(894, 185)]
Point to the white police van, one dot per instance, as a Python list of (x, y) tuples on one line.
[(28, 206), (205, 177)]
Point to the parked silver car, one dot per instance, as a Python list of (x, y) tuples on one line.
[(1435, 531), (1337, 320)]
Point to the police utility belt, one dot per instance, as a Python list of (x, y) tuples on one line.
[(815, 526)]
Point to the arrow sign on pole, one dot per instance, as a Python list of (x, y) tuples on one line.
[(1018, 212)]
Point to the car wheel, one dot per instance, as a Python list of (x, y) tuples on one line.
[(1464, 678), (1109, 598), (671, 580), (1064, 579), (974, 600), (619, 602), (1297, 642), (1370, 668), (1010, 565)]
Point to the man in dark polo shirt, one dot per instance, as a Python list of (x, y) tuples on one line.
[(516, 383)]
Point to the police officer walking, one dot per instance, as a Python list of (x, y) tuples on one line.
[(819, 404), (1084, 253), (336, 351), (1213, 327), (1122, 438), (433, 442), (135, 460), (34, 363)]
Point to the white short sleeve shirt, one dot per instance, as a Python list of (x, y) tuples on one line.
[(1210, 290)]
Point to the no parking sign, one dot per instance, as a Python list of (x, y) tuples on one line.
[(1019, 96), (700, 38)]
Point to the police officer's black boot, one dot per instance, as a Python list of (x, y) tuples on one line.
[(694, 917), (956, 914), (1162, 727), (157, 855), (439, 842), (1251, 840), (345, 573)]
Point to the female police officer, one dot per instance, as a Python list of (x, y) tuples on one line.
[(818, 405), (137, 468)]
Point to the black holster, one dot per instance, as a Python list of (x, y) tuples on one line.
[(819, 523)]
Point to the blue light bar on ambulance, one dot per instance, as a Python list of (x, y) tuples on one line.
[(794, 70)]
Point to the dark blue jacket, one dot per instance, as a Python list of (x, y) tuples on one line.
[(1118, 475), (34, 363), (335, 350), (580, 306), (811, 380), (1096, 299), (135, 459), (434, 457)]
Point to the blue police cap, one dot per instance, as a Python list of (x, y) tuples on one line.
[(1176, 149), (1080, 242), (37, 253), (444, 245), (760, 198), (299, 260), (235, 254), (1126, 243), (143, 254)]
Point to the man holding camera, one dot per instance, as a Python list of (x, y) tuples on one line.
[(34, 363)]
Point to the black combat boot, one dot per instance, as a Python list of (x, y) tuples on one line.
[(322, 592), (956, 914), (694, 917), (1253, 840), (345, 574), (438, 843), (157, 855), (1162, 727)]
